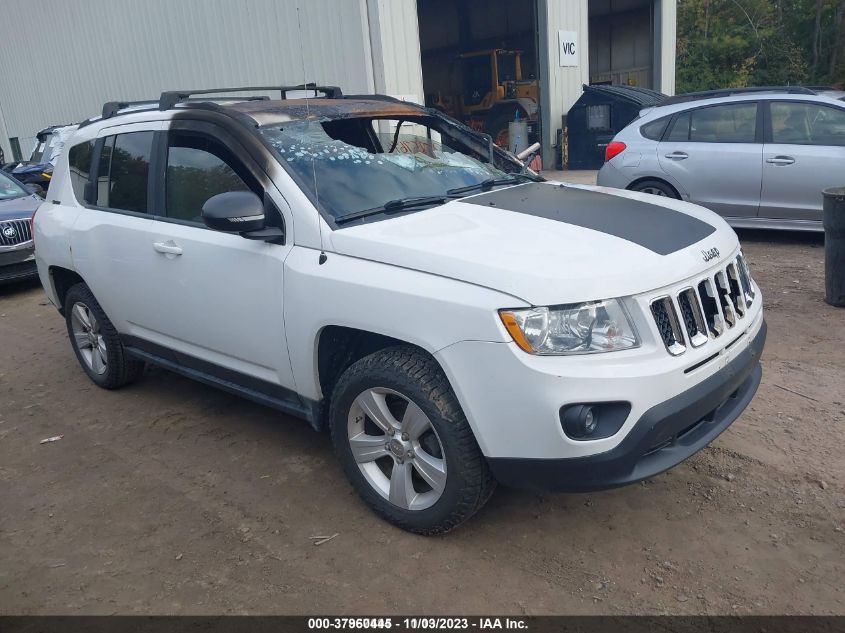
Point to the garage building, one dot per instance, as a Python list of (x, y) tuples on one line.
[(487, 61)]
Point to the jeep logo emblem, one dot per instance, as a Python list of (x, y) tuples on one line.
[(10, 232), (713, 253)]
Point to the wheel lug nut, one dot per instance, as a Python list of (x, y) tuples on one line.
[(410, 454), (404, 437), (390, 431)]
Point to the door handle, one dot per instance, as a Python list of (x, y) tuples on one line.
[(781, 160), (168, 248), (677, 155)]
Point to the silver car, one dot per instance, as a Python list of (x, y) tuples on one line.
[(758, 159)]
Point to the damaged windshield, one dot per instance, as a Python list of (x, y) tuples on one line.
[(362, 164)]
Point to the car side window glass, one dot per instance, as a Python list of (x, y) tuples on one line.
[(124, 172), (807, 124), (729, 123), (79, 164), (199, 168), (680, 129), (654, 130)]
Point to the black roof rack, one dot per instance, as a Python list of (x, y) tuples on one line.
[(172, 97), (727, 92)]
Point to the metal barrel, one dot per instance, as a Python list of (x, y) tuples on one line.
[(834, 246)]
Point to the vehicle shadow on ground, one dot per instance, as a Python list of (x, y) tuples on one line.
[(805, 238), (16, 288)]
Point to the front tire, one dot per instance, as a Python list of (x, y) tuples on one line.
[(96, 342), (405, 443)]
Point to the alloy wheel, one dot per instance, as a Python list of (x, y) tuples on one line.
[(397, 448), (88, 338)]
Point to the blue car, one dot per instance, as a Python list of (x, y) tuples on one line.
[(17, 251)]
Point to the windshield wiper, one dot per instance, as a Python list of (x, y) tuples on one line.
[(394, 206), (486, 185)]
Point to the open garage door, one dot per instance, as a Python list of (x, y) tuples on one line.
[(479, 65), (622, 42)]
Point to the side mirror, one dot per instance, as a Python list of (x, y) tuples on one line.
[(234, 212)]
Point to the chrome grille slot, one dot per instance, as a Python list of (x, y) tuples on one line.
[(692, 317), (736, 294), (14, 232), (666, 318), (723, 290), (710, 308), (745, 280)]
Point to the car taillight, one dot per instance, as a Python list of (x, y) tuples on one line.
[(614, 148)]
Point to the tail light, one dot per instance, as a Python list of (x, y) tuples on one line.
[(614, 148)]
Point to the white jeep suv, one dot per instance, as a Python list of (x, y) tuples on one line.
[(389, 275)]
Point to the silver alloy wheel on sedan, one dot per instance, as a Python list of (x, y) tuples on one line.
[(653, 191), (88, 338), (397, 448)]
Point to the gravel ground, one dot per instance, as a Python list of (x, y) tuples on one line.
[(171, 497)]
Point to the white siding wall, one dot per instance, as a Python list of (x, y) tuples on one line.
[(100, 50), (560, 86)]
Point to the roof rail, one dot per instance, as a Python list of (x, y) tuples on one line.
[(110, 108), (374, 97), (170, 98), (727, 92)]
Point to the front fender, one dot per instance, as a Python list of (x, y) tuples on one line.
[(426, 310)]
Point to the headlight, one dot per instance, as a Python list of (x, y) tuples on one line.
[(578, 328)]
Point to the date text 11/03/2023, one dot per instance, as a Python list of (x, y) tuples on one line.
[(418, 623)]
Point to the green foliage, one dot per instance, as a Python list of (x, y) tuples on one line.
[(735, 43)]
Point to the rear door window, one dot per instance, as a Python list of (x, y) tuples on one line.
[(123, 175), (729, 123)]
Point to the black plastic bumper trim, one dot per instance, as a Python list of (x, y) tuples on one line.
[(663, 437)]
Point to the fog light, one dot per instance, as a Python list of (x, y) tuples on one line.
[(591, 421), (580, 420)]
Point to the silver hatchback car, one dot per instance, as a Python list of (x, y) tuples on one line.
[(757, 159)]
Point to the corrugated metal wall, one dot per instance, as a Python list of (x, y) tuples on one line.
[(61, 60), (395, 38)]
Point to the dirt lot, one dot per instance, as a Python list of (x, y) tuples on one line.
[(171, 497)]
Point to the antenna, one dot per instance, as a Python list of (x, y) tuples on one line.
[(323, 256)]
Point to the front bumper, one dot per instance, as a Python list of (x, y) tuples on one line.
[(664, 436)]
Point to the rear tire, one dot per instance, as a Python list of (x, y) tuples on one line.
[(656, 188), (96, 342), (405, 444)]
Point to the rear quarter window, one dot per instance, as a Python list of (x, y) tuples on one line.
[(79, 165), (654, 130)]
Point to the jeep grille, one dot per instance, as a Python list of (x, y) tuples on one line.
[(714, 304)]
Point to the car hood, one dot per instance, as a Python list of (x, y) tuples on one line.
[(550, 243), (19, 208)]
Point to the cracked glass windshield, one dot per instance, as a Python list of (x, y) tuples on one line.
[(363, 163)]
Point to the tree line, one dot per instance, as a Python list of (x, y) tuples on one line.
[(736, 43)]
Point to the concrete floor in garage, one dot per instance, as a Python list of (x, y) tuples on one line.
[(171, 497)]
